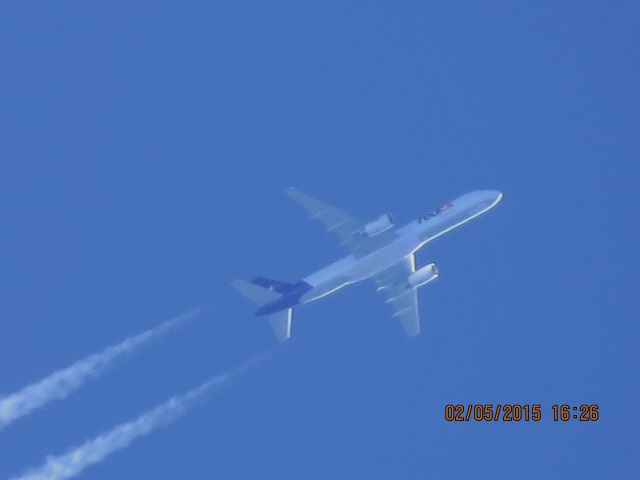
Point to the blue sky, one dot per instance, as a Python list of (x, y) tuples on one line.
[(144, 147)]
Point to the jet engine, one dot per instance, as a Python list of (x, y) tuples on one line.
[(423, 276), (378, 226)]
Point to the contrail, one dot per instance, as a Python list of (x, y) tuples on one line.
[(62, 382), (97, 449)]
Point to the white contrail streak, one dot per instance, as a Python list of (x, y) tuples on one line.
[(97, 449), (62, 382)]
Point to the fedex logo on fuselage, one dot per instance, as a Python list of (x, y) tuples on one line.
[(438, 211)]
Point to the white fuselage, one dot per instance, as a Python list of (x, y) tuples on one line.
[(409, 239)]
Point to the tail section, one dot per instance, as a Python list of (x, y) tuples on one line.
[(259, 295), (274, 285), (262, 291), (281, 324)]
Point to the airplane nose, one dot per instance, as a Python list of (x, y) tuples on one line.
[(489, 198), (496, 195)]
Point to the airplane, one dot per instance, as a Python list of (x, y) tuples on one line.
[(378, 251)]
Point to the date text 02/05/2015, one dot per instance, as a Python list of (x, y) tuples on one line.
[(515, 412)]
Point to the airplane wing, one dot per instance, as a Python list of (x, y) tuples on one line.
[(403, 300), (342, 224)]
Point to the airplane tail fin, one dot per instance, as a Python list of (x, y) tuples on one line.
[(275, 285), (262, 291), (258, 294)]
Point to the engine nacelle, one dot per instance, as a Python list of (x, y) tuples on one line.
[(378, 226), (422, 276)]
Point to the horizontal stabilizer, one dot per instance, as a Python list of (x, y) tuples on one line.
[(275, 285), (258, 295), (280, 321), (281, 324)]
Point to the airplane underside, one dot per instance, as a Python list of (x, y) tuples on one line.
[(378, 251)]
